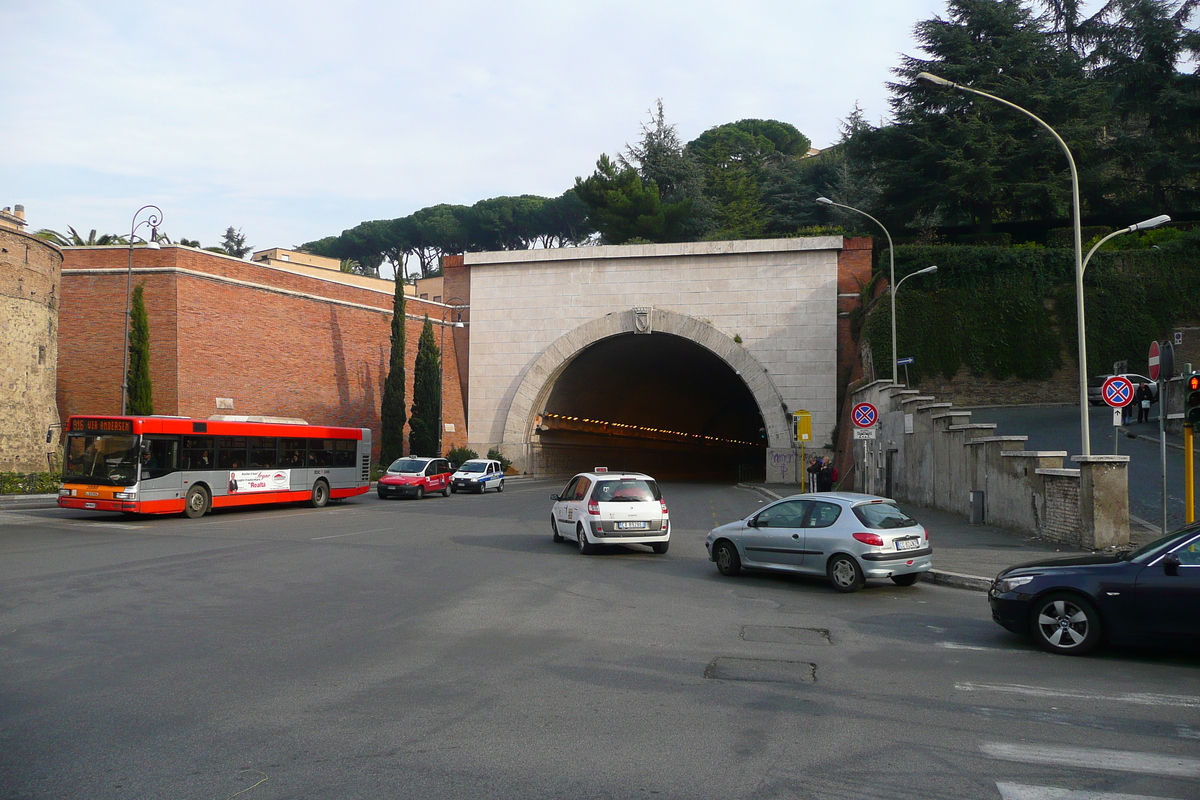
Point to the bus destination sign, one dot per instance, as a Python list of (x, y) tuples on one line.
[(90, 425)]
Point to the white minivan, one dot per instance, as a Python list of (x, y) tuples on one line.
[(611, 508)]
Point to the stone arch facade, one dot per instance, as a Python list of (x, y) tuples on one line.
[(545, 370)]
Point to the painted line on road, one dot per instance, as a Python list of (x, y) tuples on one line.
[(355, 533), (1018, 791), (1136, 698), (981, 648), (1094, 758)]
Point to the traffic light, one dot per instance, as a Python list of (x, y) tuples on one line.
[(1192, 401)]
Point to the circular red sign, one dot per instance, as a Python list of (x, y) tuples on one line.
[(1117, 391), (1154, 361), (864, 415)]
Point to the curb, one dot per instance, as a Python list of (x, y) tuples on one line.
[(13, 501), (956, 580)]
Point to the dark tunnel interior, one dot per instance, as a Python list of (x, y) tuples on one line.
[(654, 403)]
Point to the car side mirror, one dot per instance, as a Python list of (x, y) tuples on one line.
[(554, 497), (1171, 564), (752, 522)]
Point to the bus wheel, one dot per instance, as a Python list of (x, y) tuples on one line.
[(197, 503), (320, 494)]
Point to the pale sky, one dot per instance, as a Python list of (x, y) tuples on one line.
[(297, 120)]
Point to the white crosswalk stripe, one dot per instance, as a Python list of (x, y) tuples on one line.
[(1095, 758), (1017, 791), (1136, 698)]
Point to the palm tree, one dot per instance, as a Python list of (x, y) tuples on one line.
[(73, 239)]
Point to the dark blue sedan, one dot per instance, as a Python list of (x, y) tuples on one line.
[(1069, 605)]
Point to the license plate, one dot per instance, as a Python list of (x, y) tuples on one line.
[(632, 526), (89, 505), (908, 544)]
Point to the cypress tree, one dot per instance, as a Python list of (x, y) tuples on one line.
[(427, 391), (141, 393), (392, 415)]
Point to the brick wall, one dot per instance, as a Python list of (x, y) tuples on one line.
[(29, 299), (1061, 521), (854, 271), (288, 345)]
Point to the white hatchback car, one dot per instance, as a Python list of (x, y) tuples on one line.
[(611, 508), (478, 475)]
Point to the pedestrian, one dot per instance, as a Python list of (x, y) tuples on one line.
[(814, 470), (825, 476), (1143, 398)]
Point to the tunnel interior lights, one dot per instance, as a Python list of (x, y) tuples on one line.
[(645, 429)]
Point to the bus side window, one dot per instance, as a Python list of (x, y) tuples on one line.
[(345, 454), (161, 457)]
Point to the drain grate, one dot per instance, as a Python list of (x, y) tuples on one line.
[(761, 669), (768, 633)]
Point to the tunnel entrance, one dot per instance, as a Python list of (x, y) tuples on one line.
[(656, 403)]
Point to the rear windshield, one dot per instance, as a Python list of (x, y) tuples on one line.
[(626, 490), (408, 465), (883, 516)]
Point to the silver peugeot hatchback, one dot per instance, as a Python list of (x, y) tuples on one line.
[(845, 536)]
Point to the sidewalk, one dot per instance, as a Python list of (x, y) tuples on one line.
[(965, 556)]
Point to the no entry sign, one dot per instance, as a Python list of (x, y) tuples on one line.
[(1117, 391), (864, 415), (1154, 361)]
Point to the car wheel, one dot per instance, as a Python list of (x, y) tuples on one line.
[(906, 580), (381, 492), (446, 490), (420, 493), (726, 556), (585, 547), (479, 487), (660, 547), (500, 488), (845, 574), (1065, 623), (320, 495), (197, 503), (554, 527)]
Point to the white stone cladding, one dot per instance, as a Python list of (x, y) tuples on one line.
[(532, 311)]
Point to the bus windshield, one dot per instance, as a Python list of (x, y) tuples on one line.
[(109, 459)]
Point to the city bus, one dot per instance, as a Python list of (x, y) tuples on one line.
[(164, 465)]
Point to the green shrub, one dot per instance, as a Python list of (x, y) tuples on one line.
[(30, 483), (460, 454), (496, 455)]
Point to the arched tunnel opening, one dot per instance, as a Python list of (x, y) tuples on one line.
[(654, 403)]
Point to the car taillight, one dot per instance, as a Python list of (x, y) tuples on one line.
[(663, 503), (927, 534), (593, 508), (873, 539)]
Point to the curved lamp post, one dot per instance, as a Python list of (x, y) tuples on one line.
[(1085, 429), (458, 323), (891, 275), (153, 219), (894, 291)]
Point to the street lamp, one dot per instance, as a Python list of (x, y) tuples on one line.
[(894, 291), (153, 218), (1085, 429), (891, 275), (458, 323)]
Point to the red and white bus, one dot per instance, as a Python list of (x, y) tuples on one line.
[(164, 465)]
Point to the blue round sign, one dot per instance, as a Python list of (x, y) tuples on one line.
[(1117, 391)]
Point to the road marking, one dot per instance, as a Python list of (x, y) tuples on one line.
[(957, 646), (1094, 758), (1136, 698), (1018, 791), (355, 533)]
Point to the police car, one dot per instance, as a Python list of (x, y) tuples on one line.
[(478, 475)]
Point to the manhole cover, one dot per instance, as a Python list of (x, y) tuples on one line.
[(761, 669), (769, 633)]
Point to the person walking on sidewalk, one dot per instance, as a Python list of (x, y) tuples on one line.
[(1143, 398)]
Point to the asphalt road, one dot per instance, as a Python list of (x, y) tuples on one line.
[(446, 648), (1057, 428)]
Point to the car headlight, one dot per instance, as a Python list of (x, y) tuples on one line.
[(65, 492), (1008, 584), (125, 495)]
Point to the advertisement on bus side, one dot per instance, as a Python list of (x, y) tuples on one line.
[(248, 481)]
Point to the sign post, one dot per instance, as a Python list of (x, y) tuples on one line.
[(802, 428), (1160, 371), (864, 416), (1118, 393)]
